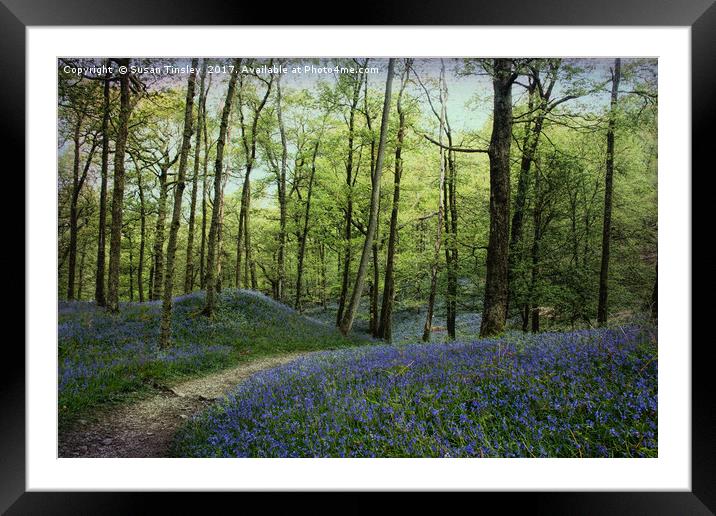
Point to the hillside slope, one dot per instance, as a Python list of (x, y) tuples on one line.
[(104, 357)]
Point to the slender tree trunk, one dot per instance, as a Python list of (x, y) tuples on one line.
[(349, 207), (494, 315), (77, 184), (385, 328), (218, 169), (349, 316), (525, 316), (99, 293), (250, 263), (165, 334), (142, 235), (118, 191), (373, 285), (220, 239), (189, 274), (374, 292), (159, 234), (304, 234), (72, 258), (322, 260), (131, 273), (451, 252), (655, 296), (240, 239), (250, 150), (608, 187), (537, 237), (204, 189), (282, 198), (81, 282), (428, 326), (151, 277), (241, 248)]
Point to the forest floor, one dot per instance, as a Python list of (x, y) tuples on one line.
[(146, 427)]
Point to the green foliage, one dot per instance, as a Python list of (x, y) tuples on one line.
[(570, 160)]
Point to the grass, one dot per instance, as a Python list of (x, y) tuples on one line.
[(105, 358), (588, 393)]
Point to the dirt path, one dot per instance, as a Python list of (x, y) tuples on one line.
[(146, 428)]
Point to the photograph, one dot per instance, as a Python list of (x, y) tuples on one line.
[(357, 257)]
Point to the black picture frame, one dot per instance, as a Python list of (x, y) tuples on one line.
[(700, 15)]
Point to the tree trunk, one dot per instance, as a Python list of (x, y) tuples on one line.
[(218, 169), (655, 296), (349, 316), (322, 260), (428, 326), (220, 238), (118, 191), (520, 200), (385, 328), (537, 237), (151, 277), (131, 273), (204, 188), (72, 258), (608, 186), (282, 198), (373, 288), (189, 274), (494, 315), (81, 282), (159, 233), (451, 252), (99, 293), (349, 207), (250, 150), (304, 234), (142, 235), (374, 314), (165, 334)]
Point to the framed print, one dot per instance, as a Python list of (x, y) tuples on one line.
[(327, 257)]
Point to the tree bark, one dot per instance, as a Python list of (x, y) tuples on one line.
[(218, 169), (428, 326), (655, 296), (494, 315), (348, 233), (451, 251), (349, 316), (373, 288), (189, 274), (220, 238), (536, 239), (78, 181), (608, 188), (99, 292), (81, 282), (131, 271), (533, 130), (385, 328), (165, 334), (72, 258), (304, 232), (159, 231), (118, 190), (204, 188), (250, 150), (282, 198), (142, 235)]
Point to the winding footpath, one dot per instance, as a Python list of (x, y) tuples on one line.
[(146, 428)]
